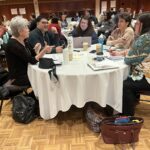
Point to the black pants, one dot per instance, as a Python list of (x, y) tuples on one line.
[(130, 91)]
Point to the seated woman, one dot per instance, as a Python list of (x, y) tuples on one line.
[(106, 25), (84, 29), (76, 17), (55, 28), (64, 22), (139, 52), (55, 25), (19, 54), (123, 36)]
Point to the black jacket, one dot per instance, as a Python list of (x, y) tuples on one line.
[(36, 36), (18, 57)]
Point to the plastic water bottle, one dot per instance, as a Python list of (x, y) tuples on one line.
[(101, 42), (70, 48), (65, 56)]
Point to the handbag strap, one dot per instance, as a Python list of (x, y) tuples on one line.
[(53, 72)]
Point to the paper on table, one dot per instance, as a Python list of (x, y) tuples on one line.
[(115, 57)]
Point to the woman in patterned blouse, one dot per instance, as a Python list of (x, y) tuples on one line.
[(139, 52)]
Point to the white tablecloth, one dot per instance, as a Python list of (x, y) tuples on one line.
[(77, 85)]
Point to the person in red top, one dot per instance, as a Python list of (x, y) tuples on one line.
[(54, 26)]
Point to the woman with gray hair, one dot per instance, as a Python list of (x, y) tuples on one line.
[(19, 53)]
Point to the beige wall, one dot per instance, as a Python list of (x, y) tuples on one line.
[(97, 8), (36, 7)]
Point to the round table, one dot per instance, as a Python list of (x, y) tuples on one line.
[(77, 85)]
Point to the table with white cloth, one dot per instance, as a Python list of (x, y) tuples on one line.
[(77, 85)]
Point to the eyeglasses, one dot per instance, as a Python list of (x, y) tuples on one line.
[(44, 22)]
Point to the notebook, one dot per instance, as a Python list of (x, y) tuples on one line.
[(104, 65)]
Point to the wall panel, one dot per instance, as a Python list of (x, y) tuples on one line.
[(6, 10)]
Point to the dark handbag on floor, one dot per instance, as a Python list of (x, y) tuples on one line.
[(121, 133), (94, 115), (23, 110)]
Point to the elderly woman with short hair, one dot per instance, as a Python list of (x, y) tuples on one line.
[(19, 53)]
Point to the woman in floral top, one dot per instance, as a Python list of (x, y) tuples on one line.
[(140, 50)]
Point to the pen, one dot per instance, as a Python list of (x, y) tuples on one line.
[(76, 50)]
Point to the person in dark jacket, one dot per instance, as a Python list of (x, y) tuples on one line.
[(43, 36), (19, 53), (106, 26), (84, 29)]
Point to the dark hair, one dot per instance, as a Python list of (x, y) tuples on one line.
[(87, 10), (89, 29), (39, 18), (108, 16), (33, 16), (144, 18), (126, 17), (55, 20)]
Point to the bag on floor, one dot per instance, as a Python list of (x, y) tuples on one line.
[(24, 108), (94, 115), (118, 131)]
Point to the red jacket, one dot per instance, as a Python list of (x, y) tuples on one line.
[(56, 26)]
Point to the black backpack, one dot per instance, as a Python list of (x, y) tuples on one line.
[(24, 109), (3, 76)]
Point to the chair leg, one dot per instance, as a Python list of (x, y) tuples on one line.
[(1, 106)]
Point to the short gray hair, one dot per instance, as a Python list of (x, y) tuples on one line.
[(17, 24)]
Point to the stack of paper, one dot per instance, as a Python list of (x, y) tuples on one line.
[(104, 65)]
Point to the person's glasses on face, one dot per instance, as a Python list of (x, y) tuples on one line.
[(44, 22)]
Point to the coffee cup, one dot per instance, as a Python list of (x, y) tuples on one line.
[(85, 46)]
